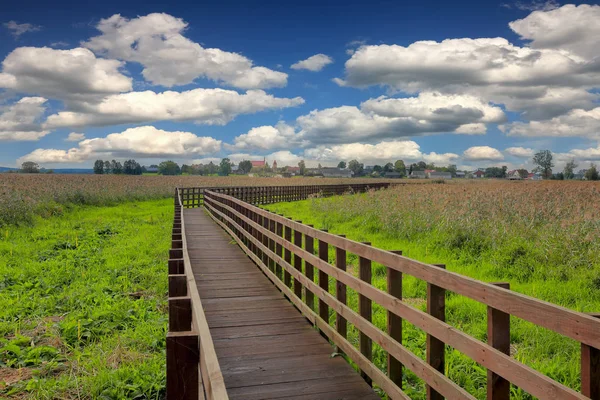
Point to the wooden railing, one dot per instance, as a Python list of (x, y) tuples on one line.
[(267, 239), (193, 370), (192, 197)]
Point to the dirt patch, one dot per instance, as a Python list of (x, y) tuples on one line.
[(10, 376)]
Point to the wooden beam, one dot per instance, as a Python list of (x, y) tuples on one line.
[(436, 307), (365, 307), (590, 370), (394, 323), (182, 366)]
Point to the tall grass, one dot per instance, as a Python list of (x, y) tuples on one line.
[(541, 237)]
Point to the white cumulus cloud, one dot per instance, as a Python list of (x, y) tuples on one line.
[(143, 141), (577, 122), (17, 29), (266, 137), (520, 152), (207, 106), (75, 137), (313, 63), (482, 153), (20, 121), (169, 58), (62, 74)]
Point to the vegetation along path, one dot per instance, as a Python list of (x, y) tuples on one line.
[(83, 310)]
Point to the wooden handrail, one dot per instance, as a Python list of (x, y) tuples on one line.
[(212, 381), (519, 374), (575, 325)]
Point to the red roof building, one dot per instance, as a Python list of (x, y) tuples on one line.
[(259, 164)]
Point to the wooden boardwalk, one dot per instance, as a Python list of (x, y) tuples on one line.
[(265, 347)]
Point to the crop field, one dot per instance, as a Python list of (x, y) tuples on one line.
[(541, 237), (22, 196)]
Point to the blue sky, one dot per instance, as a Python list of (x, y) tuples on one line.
[(467, 83)]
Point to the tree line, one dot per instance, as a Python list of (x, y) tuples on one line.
[(129, 167)]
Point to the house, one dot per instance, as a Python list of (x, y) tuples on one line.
[(439, 175), (514, 175), (393, 175), (460, 174), (478, 174), (336, 173), (259, 164), (418, 175)]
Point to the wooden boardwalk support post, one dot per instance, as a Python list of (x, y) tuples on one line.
[(182, 350), (178, 285), (340, 292), (436, 307), (590, 369), (498, 334), (394, 323), (365, 308), (298, 263), (323, 279), (309, 244)]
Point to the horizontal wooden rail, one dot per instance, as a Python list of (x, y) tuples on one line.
[(193, 370), (239, 217), (192, 197)]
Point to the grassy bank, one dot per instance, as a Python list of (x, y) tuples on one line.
[(84, 303), (540, 237)]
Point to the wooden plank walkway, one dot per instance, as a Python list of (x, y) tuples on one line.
[(266, 348)]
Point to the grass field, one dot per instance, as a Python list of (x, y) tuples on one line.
[(542, 237), (24, 196), (83, 299)]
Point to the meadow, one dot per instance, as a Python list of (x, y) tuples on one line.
[(541, 237), (23, 196)]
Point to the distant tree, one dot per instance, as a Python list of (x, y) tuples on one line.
[(389, 167), (169, 168), (452, 169), (342, 165), (29, 167), (131, 167), (400, 167), (116, 167), (319, 166), (569, 171), (592, 173), (186, 169), (558, 176), (523, 173), (49, 171), (377, 168), (494, 172), (99, 167), (211, 168), (543, 160), (225, 167), (245, 166), (356, 167), (504, 171), (302, 166), (421, 166), (107, 168), (430, 166)]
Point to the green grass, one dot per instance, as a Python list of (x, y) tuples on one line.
[(543, 350), (84, 304)]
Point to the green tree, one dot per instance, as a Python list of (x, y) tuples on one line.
[(131, 167), (30, 167), (342, 165), (592, 173), (400, 167), (169, 168), (377, 168), (569, 171), (543, 160), (523, 173), (116, 167), (107, 169), (356, 167), (99, 167), (389, 167), (225, 167), (302, 166), (245, 166)]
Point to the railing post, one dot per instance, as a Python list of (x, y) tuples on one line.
[(298, 263), (287, 256), (272, 244), (340, 291), (323, 280), (279, 248), (365, 309), (498, 334), (394, 323), (309, 244), (436, 307), (590, 369), (265, 241)]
